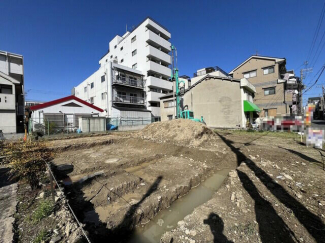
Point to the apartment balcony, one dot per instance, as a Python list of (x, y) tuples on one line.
[(139, 84), (245, 83), (157, 82), (158, 54), (153, 38), (126, 99), (7, 102), (157, 68), (154, 96), (150, 24)]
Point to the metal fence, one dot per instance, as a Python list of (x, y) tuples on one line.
[(51, 125), (129, 121)]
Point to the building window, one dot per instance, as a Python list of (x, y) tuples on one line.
[(134, 66), (155, 104), (133, 98), (121, 94), (85, 89), (5, 89), (102, 78), (121, 48), (115, 46), (92, 85), (170, 117), (134, 52), (91, 100), (133, 81), (268, 70), (169, 104), (269, 91), (122, 77), (250, 74), (270, 112), (134, 38), (103, 96), (122, 60)]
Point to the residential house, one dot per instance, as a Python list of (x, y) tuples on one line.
[(11, 92), (63, 114), (266, 74), (222, 101)]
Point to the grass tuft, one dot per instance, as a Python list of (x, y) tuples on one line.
[(44, 209), (42, 236)]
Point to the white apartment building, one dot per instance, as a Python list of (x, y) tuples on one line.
[(11, 92), (133, 74)]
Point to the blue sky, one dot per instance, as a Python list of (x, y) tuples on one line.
[(62, 41)]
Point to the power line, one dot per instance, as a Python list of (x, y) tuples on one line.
[(313, 78), (319, 52), (312, 60), (316, 80), (320, 20)]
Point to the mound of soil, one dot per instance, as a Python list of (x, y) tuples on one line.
[(180, 131)]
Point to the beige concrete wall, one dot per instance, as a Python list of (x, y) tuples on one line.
[(264, 81), (219, 102), (165, 112)]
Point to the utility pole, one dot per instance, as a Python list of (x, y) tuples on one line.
[(301, 86), (322, 100)]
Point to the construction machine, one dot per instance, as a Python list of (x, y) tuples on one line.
[(180, 90)]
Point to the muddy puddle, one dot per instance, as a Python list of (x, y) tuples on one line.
[(167, 219)]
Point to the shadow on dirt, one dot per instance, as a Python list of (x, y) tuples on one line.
[(310, 221), (216, 226), (98, 231), (305, 157), (5, 178), (268, 220)]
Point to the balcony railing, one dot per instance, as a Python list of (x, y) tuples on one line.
[(128, 99), (129, 82)]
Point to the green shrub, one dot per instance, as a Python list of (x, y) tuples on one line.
[(44, 209)]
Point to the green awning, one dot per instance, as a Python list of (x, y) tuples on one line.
[(249, 106)]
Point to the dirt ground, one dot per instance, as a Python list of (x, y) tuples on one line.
[(274, 193)]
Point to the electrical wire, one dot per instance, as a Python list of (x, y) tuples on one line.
[(320, 20), (316, 80), (312, 79), (319, 52), (316, 52)]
